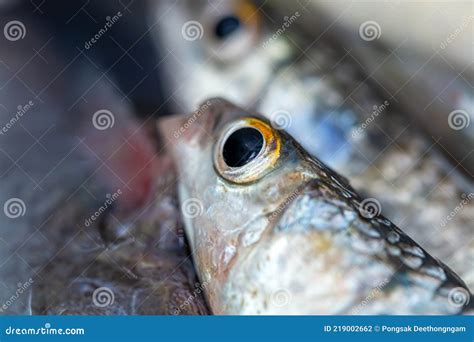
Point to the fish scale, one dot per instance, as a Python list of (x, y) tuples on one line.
[(333, 109), (316, 243)]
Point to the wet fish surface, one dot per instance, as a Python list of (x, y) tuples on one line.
[(273, 230), (132, 262), (144, 269), (273, 62)]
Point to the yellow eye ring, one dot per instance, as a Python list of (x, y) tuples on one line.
[(258, 164)]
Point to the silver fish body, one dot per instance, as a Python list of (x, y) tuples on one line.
[(316, 90), (284, 234)]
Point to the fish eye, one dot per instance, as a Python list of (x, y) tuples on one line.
[(242, 146), (246, 150), (233, 31), (226, 26)]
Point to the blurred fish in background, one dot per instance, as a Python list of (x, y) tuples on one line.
[(82, 84)]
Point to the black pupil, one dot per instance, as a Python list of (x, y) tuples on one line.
[(242, 146), (226, 26)]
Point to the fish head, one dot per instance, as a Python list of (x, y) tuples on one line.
[(222, 42), (232, 49), (273, 230), (237, 174)]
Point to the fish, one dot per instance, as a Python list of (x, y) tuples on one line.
[(273, 230), (134, 258), (314, 87), (139, 267), (431, 82)]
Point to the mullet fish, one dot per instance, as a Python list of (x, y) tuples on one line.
[(272, 60), (273, 230)]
